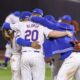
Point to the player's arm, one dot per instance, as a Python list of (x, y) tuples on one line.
[(23, 42), (49, 24), (52, 25), (39, 20), (66, 26), (44, 22), (56, 34)]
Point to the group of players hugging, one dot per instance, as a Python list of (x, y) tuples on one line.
[(34, 39)]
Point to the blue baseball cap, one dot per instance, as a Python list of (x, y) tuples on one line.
[(17, 13), (67, 17), (38, 11), (50, 18), (25, 14)]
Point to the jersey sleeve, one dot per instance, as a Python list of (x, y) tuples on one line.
[(44, 22), (15, 27), (23, 42)]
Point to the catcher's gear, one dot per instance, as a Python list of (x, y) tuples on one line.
[(7, 34)]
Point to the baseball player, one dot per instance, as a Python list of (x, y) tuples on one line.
[(16, 52), (76, 27), (49, 44), (32, 61), (7, 54), (54, 62), (11, 18), (56, 26), (57, 63), (70, 66)]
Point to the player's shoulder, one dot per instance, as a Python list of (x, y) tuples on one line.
[(23, 23), (16, 24), (32, 23), (8, 17)]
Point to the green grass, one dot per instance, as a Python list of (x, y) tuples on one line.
[(48, 73), (6, 74)]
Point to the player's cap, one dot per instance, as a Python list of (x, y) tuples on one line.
[(50, 18), (25, 14), (38, 11), (67, 17), (17, 13)]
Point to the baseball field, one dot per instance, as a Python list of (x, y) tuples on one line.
[(6, 74)]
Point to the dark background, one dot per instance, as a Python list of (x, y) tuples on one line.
[(55, 7)]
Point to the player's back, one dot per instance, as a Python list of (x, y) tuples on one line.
[(32, 32)]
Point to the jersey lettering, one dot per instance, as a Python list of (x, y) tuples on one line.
[(31, 35)]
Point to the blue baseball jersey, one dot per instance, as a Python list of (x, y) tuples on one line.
[(56, 45)]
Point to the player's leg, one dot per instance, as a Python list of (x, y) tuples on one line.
[(56, 64), (77, 75), (38, 70), (7, 57), (25, 66), (15, 67), (69, 67)]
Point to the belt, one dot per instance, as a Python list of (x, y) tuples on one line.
[(31, 51), (37, 51)]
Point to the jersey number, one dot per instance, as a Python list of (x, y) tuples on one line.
[(31, 35)]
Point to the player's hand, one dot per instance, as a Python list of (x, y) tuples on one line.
[(35, 45), (69, 34)]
